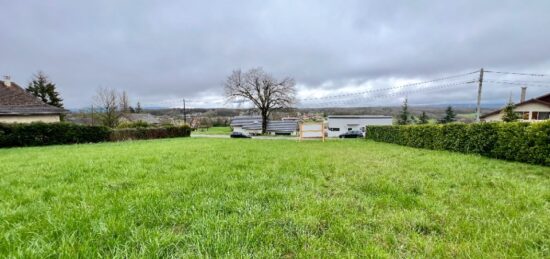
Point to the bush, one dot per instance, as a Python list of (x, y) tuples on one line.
[(517, 141), (150, 133), (137, 124), (40, 134)]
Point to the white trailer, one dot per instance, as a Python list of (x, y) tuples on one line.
[(339, 124)]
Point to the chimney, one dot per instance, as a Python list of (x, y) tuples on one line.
[(7, 81), (523, 92)]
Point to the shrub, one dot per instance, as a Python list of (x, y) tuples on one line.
[(150, 133), (40, 134), (137, 124), (517, 141)]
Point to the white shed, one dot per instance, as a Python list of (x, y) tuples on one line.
[(338, 124)]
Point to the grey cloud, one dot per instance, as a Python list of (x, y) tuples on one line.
[(169, 49)]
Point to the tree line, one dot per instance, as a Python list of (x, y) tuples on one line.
[(406, 118)]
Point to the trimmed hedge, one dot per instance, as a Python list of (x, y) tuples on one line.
[(150, 133), (517, 141), (41, 134)]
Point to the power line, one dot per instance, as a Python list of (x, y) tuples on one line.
[(389, 88), (516, 73), (348, 101), (523, 81), (516, 83)]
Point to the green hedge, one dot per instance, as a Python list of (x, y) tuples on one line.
[(40, 134), (150, 133), (517, 141)]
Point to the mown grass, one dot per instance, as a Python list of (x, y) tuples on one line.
[(268, 198), (213, 131)]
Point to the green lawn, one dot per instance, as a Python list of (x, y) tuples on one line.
[(268, 198), (213, 131)]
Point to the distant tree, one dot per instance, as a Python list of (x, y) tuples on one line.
[(262, 89), (404, 115), (205, 122), (106, 99), (423, 119), (508, 113), (44, 89), (132, 110), (450, 116), (124, 103), (138, 108)]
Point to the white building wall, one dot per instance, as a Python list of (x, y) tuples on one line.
[(337, 126), (30, 118), (528, 107)]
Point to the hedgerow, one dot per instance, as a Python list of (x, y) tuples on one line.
[(41, 134), (517, 141), (150, 133)]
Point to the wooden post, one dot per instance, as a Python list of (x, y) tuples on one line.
[(184, 115)]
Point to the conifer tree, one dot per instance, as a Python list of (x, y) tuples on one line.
[(450, 115), (404, 115), (508, 113), (138, 108), (423, 119), (42, 88)]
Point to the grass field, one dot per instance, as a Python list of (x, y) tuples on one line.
[(213, 131), (268, 198)]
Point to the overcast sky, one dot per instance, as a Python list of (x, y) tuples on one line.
[(159, 51)]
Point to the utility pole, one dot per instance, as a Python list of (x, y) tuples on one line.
[(478, 111), (92, 115), (184, 115)]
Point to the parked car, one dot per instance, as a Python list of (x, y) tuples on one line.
[(352, 134), (239, 135)]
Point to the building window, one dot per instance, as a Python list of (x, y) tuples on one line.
[(334, 129), (540, 115), (350, 129)]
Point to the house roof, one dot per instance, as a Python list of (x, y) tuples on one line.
[(245, 120), (255, 123), (544, 100), (282, 126), (359, 117), (145, 117), (14, 100)]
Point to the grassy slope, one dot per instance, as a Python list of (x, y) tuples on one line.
[(271, 198)]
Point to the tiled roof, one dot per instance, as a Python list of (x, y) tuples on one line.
[(14, 100)]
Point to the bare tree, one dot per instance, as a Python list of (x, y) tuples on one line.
[(262, 89), (124, 103), (106, 99)]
